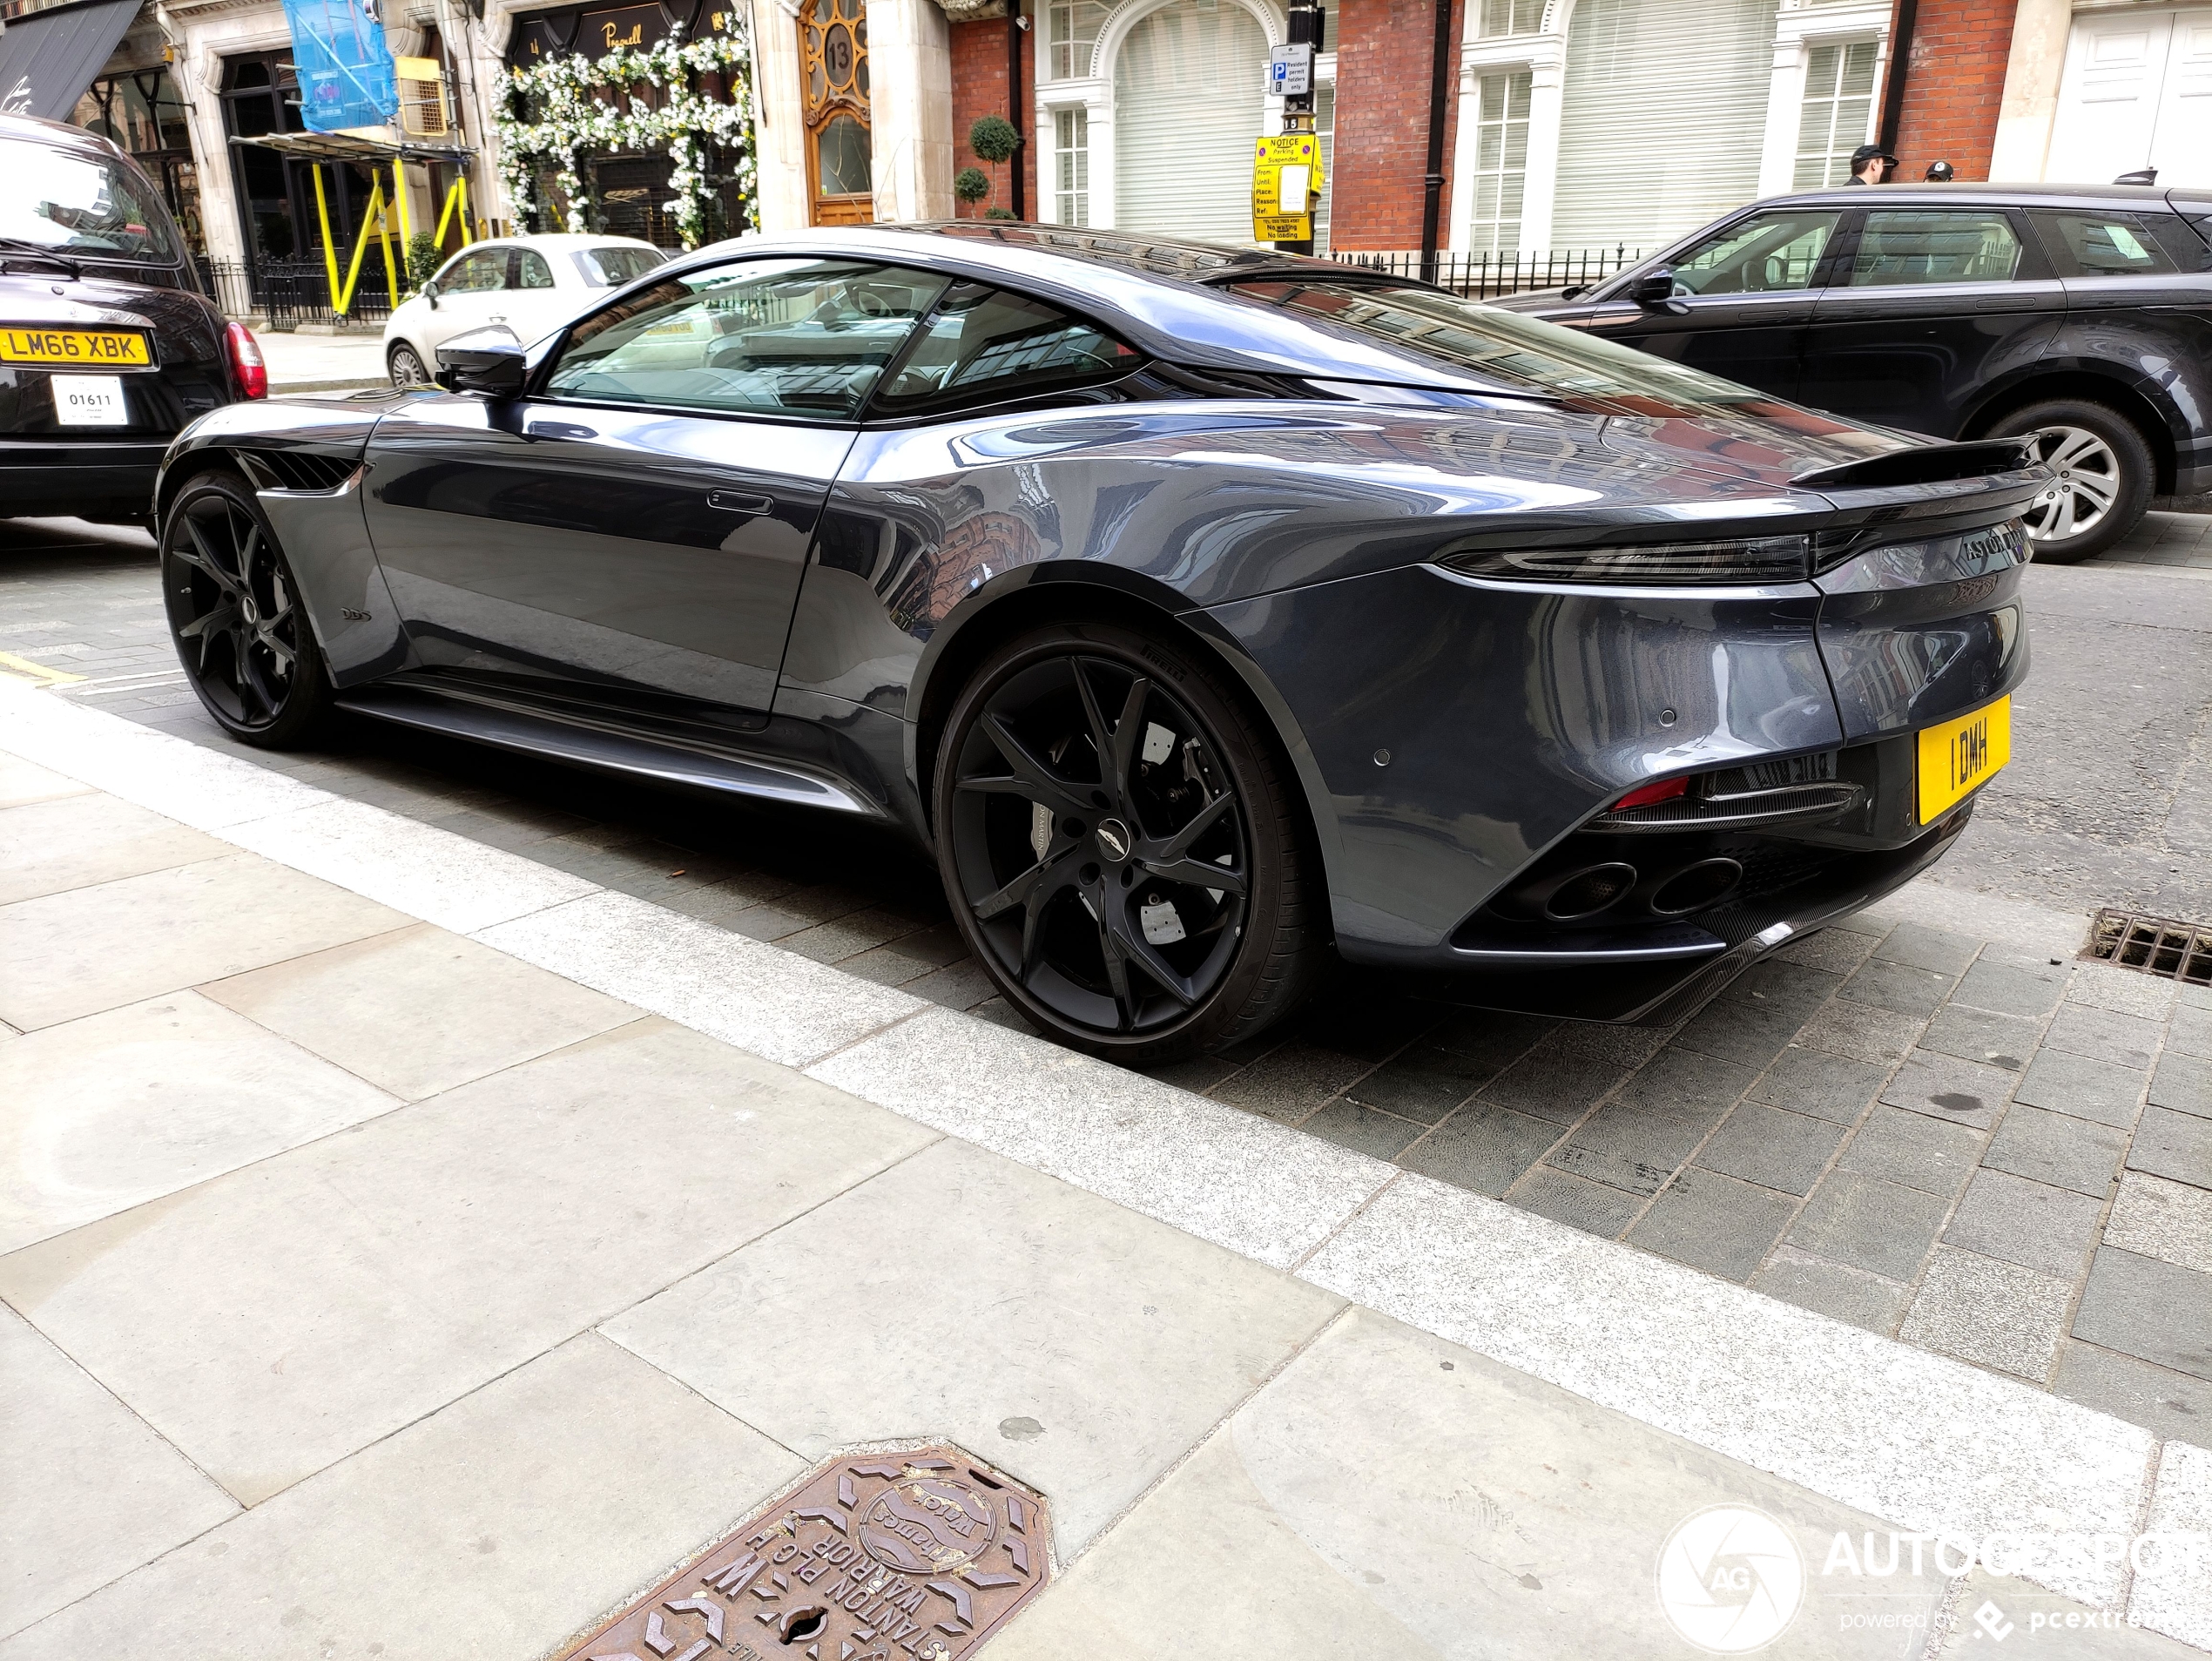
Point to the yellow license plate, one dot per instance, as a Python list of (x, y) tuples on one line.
[(1958, 758), (75, 348)]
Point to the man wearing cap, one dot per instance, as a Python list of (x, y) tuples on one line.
[(1869, 163)]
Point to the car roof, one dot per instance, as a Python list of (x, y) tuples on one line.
[(1993, 195), (1165, 296), (560, 239), (58, 134)]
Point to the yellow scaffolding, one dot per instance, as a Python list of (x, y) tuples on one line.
[(316, 148)]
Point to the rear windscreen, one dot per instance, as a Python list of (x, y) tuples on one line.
[(1514, 352), (610, 268), (86, 206)]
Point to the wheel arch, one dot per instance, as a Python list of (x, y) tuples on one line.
[(1071, 592), (2124, 396)]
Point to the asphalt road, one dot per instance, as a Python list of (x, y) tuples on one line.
[(2109, 798)]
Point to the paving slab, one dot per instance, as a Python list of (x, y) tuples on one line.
[(2175, 1145), (2169, 1403), (1995, 1313), (2026, 1620), (2156, 1312), (1944, 1087), (1109, 1343), (1393, 1495), (2104, 1092), (449, 1241), (110, 1110), (2032, 1224), (1227, 1176), (62, 1536), (2054, 1148), (1859, 1296), (501, 1526), (63, 955), (72, 842), (24, 782), (421, 1010), (762, 1000), (2171, 1221), (2179, 1603)]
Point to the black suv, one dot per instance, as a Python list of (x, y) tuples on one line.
[(108, 347), (2081, 314)]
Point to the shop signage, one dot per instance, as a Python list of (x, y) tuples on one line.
[(633, 28)]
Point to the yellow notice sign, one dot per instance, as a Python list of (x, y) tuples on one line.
[(1286, 180)]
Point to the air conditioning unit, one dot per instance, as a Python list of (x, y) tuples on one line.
[(425, 109)]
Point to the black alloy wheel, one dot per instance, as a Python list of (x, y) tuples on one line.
[(1121, 850), (240, 631), (405, 366)]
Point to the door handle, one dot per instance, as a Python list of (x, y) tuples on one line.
[(739, 501), (558, 429)]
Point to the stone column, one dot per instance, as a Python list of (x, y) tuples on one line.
[(910, 101), (2033, 70)]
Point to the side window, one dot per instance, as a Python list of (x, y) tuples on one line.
[(2101, 245), (612, 266), (1766, 253), (478, 271), (530, 270), (801, 339), (1915, 246), (982, 345), (2189, 249)]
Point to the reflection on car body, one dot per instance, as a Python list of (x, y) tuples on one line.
[(1207, 612)]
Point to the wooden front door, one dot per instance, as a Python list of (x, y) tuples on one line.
[(834, 58)]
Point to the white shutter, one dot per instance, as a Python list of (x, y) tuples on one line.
[(1187, 105), (1665, 117), (2109, 101), (2182, 145)]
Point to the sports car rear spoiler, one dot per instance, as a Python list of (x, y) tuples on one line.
[(1927, 464)]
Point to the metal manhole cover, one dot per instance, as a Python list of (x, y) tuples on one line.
[(2161, 946), (912, 1556)]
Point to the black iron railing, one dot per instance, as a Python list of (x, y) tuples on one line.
[(1479, 276), (292, 292)]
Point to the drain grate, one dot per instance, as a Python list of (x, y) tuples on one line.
[(2161, 946)]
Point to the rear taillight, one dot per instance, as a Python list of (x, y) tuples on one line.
[(1751, 559), (1665, 790), (246, 361)]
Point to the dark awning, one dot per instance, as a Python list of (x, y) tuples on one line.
[(48, 58)]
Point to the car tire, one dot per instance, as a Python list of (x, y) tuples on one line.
[(2102, 460), (235, 614), (1090, 780), (405, 366)]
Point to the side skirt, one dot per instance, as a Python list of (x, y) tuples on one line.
[(611, 750)]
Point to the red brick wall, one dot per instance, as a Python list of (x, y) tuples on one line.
[(979, 89), (1385, 53), (1954, 79)]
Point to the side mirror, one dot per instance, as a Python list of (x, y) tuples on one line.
[(1654, 288), (484, 362), (430, 293)]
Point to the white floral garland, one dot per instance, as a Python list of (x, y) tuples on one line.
[(573, 116)]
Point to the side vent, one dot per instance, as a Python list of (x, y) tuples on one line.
[(302, 472)]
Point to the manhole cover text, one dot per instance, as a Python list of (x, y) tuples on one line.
[(902, 1557)]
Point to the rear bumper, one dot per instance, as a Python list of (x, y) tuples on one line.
[(55, 476), (1655, 975)]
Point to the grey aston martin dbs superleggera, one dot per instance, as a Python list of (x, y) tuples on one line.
[(1205, 609)]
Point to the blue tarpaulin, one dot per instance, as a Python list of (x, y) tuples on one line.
[(345, 67)]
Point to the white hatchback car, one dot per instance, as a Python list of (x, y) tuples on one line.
[(527, 284)]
